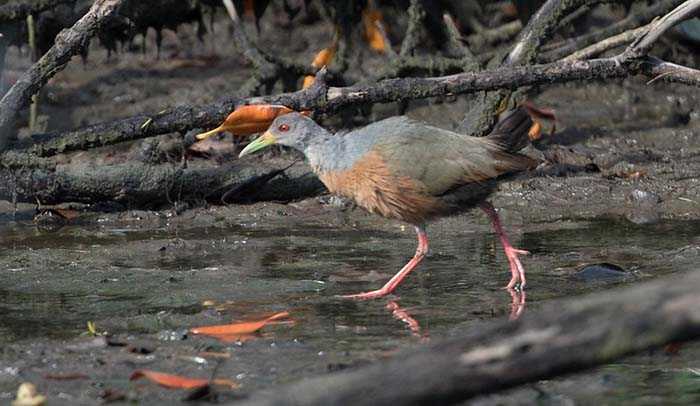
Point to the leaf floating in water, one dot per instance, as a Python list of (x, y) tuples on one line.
[(178, 382), (242, 331)]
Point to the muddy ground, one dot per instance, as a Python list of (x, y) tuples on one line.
[(624, 190)]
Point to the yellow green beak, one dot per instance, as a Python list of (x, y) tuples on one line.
[(259, 143)]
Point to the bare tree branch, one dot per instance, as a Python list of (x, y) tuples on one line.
[(642, 45), (636, 19), (68, 43), (332, 99)]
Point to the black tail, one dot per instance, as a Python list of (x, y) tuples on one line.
[(511, 132)]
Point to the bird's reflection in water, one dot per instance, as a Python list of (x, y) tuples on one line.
[(518, 298), (402, 314)]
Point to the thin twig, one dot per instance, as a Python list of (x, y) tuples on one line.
[(607, 44)]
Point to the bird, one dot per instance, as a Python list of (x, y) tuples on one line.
[(407, 170)]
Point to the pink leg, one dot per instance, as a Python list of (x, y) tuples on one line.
[(389, 287), (516, 268)]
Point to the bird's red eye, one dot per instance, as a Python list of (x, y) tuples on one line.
[(283, 127)]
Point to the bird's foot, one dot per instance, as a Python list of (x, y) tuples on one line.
[(516, 268), (374, 294)]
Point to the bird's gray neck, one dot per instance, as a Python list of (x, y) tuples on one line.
[(329, 153)]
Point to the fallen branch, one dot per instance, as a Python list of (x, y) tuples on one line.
[(562, 337), (147, 185), (68, 43)]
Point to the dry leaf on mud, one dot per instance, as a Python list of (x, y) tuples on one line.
[(178, 382)]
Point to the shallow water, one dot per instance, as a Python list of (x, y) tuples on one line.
[(150, 283)]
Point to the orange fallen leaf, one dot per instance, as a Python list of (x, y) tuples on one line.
[(248, 119), (323, 57), (375, 39), (308, 81), (231, 331), (177, 381)]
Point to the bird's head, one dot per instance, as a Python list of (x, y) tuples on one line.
[(292, 130)]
